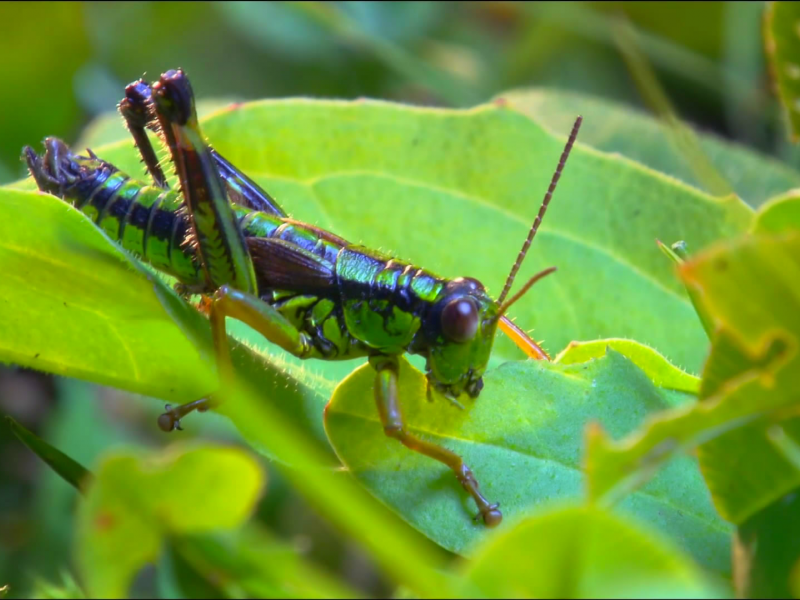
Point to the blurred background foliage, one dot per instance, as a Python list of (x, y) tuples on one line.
[(67, 63)]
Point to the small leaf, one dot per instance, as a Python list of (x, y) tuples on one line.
[(582, 552), (782, 43), (655, 366), (71, 471), (522, 440), (134, 503), (678, 254)]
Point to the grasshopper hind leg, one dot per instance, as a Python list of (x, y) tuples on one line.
[(136, 109), (252, 311)]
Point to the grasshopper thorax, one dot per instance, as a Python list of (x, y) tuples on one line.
[(460, 330)]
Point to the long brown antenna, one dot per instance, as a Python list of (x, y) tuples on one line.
[(504, 307), (543, 209)]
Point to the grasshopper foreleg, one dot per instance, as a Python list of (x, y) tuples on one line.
[(386, 398)]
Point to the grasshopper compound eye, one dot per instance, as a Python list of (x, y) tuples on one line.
[(460, 320)]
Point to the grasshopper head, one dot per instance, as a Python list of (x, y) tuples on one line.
[(462, 324), (461, 328)]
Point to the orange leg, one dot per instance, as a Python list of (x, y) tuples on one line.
[(522, 340)]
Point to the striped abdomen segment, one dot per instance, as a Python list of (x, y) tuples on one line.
[(144, 219)]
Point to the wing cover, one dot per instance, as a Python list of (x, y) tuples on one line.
[(282, 265)]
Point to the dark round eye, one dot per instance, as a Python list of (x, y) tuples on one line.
[(460, 320)]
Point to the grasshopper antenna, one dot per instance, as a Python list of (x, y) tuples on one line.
[(505, 306), (535, 227)]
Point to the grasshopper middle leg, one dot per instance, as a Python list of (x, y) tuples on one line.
[(386, 398)]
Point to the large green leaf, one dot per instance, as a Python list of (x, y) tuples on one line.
[(75, 305), (522, 439), (582, 552), (614, 127), (455, 191)]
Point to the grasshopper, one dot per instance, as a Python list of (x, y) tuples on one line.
[(304, 289)]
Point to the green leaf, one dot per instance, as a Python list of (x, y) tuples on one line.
[(75, 305), (582, 552), (134, 503), (766, 550), (336, 494), (613, 127), (368, 170), (751, 289), (655, 366), (779, 214), (72, 472), (522, 439), (782, 45), (327, 161)]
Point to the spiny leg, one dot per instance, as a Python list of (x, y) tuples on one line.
[(387, 368), (249, 309), (220, 242), (135, 109)]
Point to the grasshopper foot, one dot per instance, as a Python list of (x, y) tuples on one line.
[(491, 515), (170, 420)]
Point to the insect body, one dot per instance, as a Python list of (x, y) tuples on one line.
[(309, 291)]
